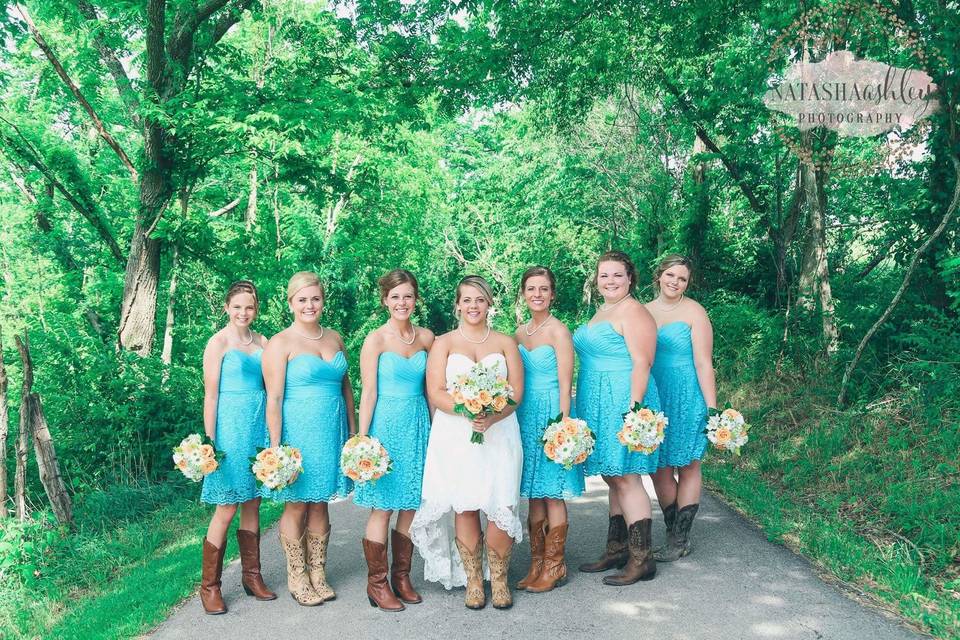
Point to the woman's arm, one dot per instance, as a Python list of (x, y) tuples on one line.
[(348, 400), (369, 359), (514, 374), (436, 382), (563, 345), (702, 337), (640, 334), (274, 376), (212, 357)]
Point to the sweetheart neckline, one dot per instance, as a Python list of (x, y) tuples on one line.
[(402, 357), (664, 326), (463, 355), (241, 351), (320, 358), (535, 348)]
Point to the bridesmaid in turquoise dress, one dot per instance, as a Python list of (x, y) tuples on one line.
[(546, 349), (233, 416), (683, 370), (309, 406), (393, 409), (616, 348)]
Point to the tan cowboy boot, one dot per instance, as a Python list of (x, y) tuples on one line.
[(298, 582), (537, 536), (473, 566), (641, 565), (400, 571), (211, 568), (500, 595), (250, 561), (554, 572), (316, 563)]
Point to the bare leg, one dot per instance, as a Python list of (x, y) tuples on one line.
[(466, 525), (666, 486), (633, 498), (377, 526), (498, 539), (291, 522), (690, 485), (219, 523), (250, 515), (404, 519), (538, 510), (613, 498), (318, 518), (556, 512)]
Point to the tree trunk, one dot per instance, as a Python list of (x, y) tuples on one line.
[(251, 217), (138, 310), (815, 273), (23, 440), (4, 432), (33, 421), (699, 221), (167, 356)]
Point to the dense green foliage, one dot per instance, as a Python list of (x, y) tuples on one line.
[(381, 134)]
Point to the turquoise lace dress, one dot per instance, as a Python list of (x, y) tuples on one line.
[(241, 428), (401, 422), (680, 397), (542, 478), (315, 421), (603, 396)]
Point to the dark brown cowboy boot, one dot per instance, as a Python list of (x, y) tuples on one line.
[(641, 565), (252, 581), (678, 540), (616, 553)]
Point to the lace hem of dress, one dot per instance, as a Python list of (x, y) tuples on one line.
[(221, 497), (642, 469), (336, 497), (566, 494), (441, 559), (386, 505)]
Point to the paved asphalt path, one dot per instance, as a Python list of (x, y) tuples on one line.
[(736, 584)]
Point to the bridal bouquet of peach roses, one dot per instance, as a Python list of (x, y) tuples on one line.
[(727, 429), (568, 441), (196, 457), (277, 467), (364, 459), (480, 391), (643, 429)]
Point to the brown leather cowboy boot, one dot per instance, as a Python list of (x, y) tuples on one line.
[(554, 572), (678, 539), (400, 570), (252, 581), (616, 553), (212, 567), (537, 537), (475, 598), (641, 565), (378, 590)]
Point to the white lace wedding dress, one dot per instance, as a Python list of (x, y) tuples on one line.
[(462, 476)]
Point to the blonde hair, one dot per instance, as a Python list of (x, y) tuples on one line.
[(671, 260), (303, 279), (477, 282)]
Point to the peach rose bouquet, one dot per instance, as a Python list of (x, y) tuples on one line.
[(727, 429), (480, 391), (196, 457), (643, 429), (277, 467), (364, 459), (568, 441)]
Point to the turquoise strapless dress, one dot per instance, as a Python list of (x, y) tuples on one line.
[(315, 421), (241, 428), (401, 422), (603, 396), (680, 397), (542, 478)]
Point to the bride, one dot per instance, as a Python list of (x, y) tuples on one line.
[(466, 478)]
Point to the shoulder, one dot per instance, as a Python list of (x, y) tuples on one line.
[(445, 341), (633, 310), (217, 344), (426, 336), (261, 339), (279, 343), (503, 340), (558, 330), (695, 308), (374, 340), (334, 335)]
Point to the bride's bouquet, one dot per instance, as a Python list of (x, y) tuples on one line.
[(481, 390), (568, 441), (643, 429), (196, 457), (727, 429), (277, 467), (364, 459)]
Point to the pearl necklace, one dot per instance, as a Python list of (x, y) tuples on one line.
[(248, 342), (605, 307), (481, 341), (308, 337), (412, 338), (526, 328), (670, 308)]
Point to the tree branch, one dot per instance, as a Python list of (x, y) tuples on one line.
[(112, 62), (842, 396), (97, 122)]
